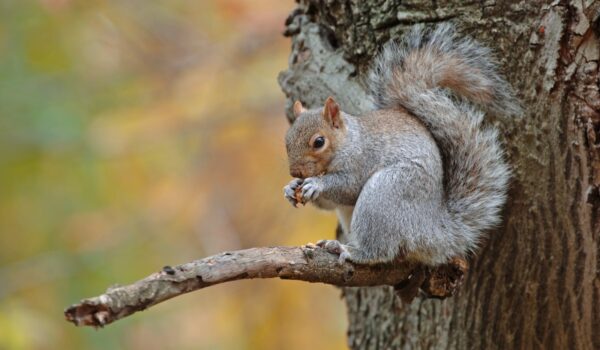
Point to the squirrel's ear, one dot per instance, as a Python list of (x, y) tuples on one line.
[(331, 113), (298, 109)]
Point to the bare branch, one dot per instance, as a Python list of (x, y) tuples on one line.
[(306, 263)]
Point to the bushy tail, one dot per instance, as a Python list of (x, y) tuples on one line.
[(448, 83)]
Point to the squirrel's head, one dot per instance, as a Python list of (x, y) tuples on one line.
[(313, 138)]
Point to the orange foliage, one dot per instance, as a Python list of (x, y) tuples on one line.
[(139, 134)]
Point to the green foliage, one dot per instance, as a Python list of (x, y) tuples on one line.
[(137, 134)]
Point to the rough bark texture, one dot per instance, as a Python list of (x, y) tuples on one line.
[(308, 263), (536, 283)]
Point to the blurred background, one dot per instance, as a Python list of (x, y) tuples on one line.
[(136, 134)]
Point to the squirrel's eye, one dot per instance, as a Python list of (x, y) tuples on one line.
[(319, 142)]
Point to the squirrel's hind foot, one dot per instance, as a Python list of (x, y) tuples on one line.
[(337, 248)]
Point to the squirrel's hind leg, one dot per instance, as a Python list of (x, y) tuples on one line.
[(397, 213)]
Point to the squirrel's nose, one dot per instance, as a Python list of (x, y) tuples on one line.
[(296, 173)]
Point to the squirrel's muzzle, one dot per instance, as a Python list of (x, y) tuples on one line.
[(296, 172)]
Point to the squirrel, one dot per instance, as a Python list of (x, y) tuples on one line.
[(418, 177)]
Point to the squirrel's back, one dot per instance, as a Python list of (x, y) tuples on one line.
[(448, 83)]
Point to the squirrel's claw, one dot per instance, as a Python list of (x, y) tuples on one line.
[(289, 191), (311, 189), (337, 248)]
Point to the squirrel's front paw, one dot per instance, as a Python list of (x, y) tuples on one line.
[(311, 189), (289, 191)]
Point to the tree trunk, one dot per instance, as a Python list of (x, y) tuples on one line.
[(536, 283)]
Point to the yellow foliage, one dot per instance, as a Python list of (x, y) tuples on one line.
[(138, 134)]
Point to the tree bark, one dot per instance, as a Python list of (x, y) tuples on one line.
[(308, 263), (536, 283)]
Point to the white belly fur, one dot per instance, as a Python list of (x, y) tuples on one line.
[(344, 214)]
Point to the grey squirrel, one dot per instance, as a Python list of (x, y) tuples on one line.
[(418, 177)]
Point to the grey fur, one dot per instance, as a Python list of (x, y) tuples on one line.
[(442, 52), (389, 163)]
